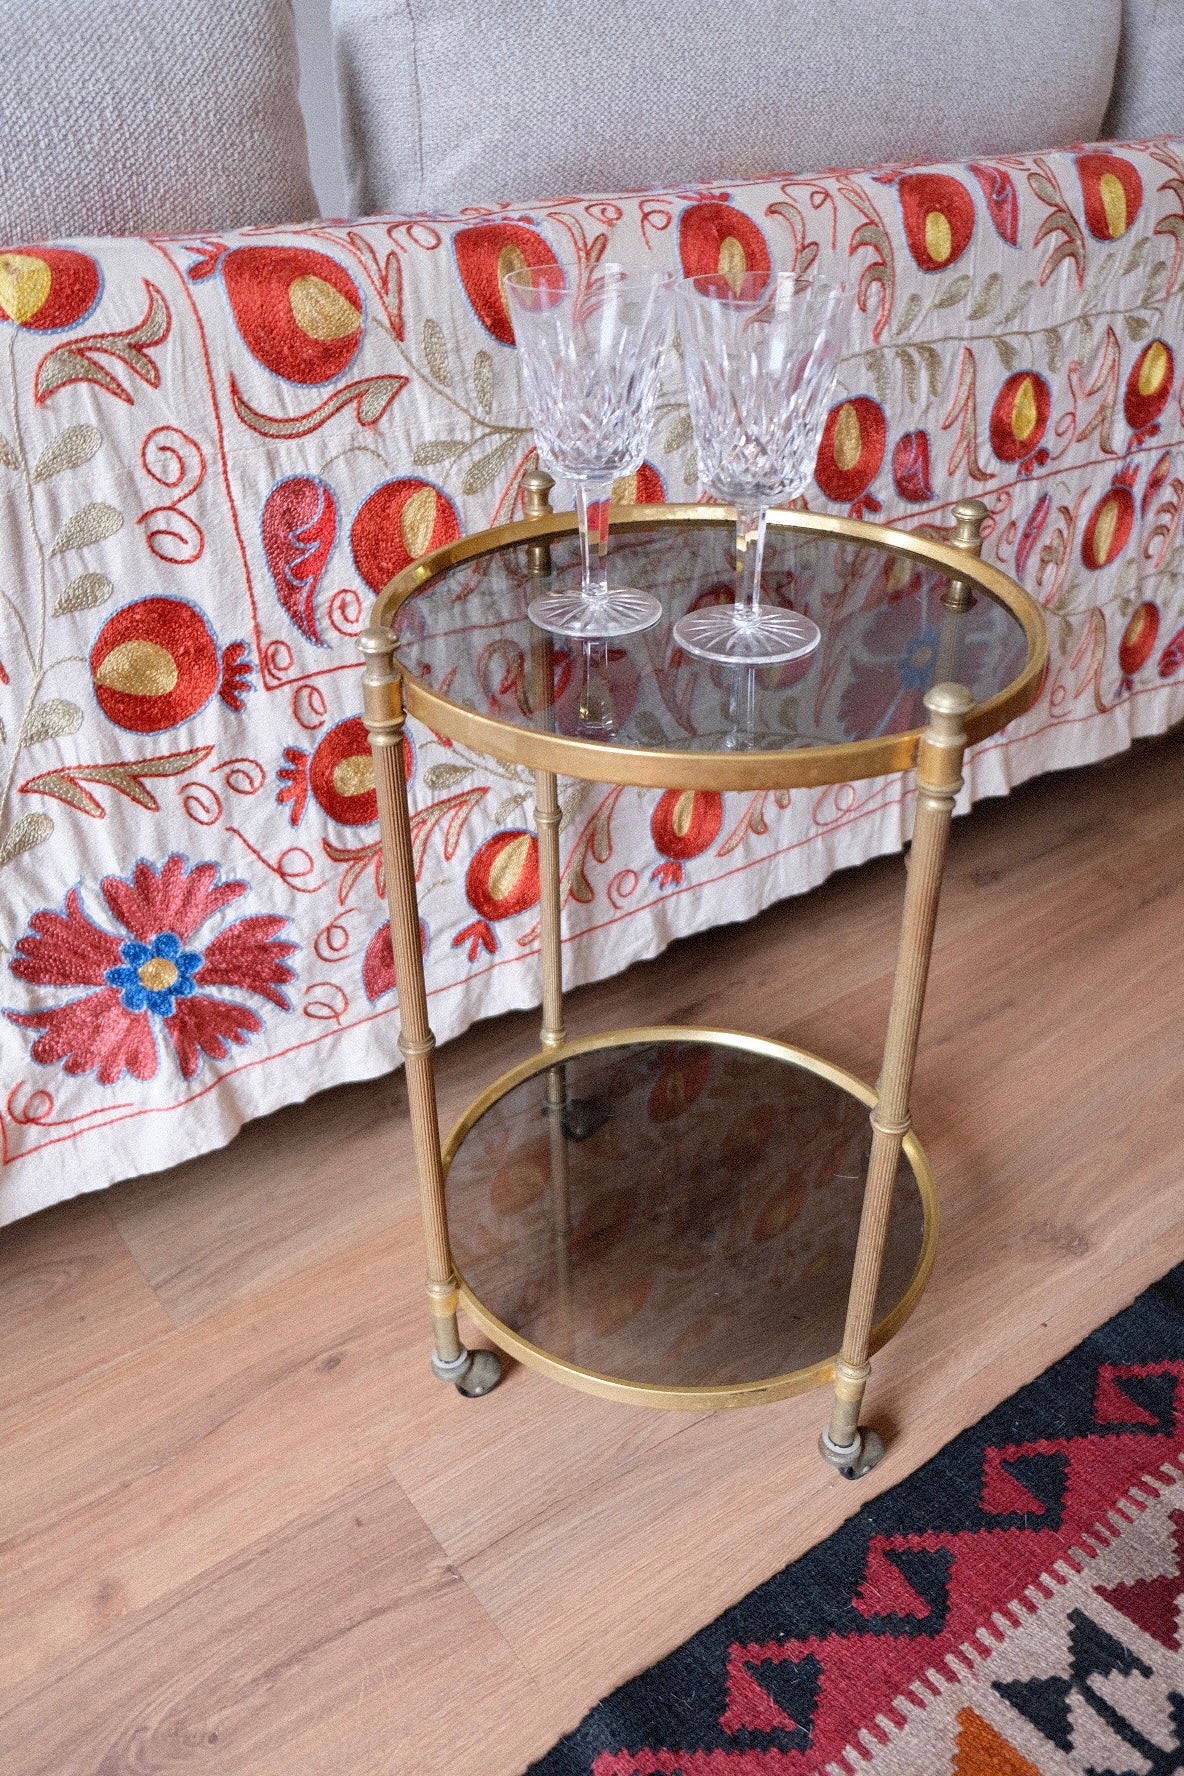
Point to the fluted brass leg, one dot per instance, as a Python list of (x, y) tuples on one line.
[(546, 815), (939, 778), (473, 1372)]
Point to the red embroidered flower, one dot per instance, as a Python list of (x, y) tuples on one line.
[(152, 975)]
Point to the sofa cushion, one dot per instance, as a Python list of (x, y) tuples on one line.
[(143, 117), (1148, 96), (602, 94)]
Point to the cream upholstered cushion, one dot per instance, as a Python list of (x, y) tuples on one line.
[(446, 104), (148, 117), (1148, 97)]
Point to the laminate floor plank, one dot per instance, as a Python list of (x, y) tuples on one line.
[(344, 1643), (71, 1300)]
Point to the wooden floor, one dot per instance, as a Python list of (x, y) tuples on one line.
[(244, 1532)]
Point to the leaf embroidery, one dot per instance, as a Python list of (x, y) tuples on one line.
[(75, 446), (92, 523), (483, 381), (78, 361), (29, 830), (435, 350), (66, 784), (963, 414), (51, 720), (372, 397), (85, 593), (484, 470)]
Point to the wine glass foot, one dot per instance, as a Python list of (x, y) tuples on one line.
[(764, 637), (622, 611)]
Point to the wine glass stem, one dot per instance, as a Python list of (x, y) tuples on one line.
[(750, 550), (592, 499)]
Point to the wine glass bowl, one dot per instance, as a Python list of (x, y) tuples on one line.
[(761, 353), (590, 351)]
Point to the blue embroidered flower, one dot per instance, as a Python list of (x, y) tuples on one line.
[(155, 975), (916, 662)]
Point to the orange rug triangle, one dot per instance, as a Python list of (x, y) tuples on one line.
[(982, 1751)]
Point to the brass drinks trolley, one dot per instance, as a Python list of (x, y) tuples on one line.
[(673, 1216)]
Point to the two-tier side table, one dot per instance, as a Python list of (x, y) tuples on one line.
[(676, 1216)]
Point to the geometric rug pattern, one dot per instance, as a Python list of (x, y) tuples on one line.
[(1013, 1608)]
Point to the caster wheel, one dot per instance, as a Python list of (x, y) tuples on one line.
[(481, 1377), (853, 1460)]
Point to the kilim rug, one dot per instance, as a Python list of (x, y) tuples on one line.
[(1014, 1608)]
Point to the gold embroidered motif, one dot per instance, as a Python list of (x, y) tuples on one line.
[(321, 311), (939, 242), (848, 442), (732, 262), (354, 776), (503, 877), (1023, 413), (138, 669), (158, 974), (419, 521), (684, 810), (1153, 369), (1113, 204), (24, 285), (1104, 532)]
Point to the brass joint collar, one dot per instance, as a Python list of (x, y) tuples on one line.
[(382, 705), (944, 793), (553, 1038), (883, 1126), (851, 1379), (410, 1050), (442, 1297)]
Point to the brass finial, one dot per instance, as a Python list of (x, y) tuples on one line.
[(536, 493)]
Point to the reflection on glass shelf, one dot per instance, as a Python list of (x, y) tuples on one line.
[(887, 637), (679, 1212)]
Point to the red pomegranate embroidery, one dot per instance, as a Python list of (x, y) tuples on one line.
[(299, 529), (501, 881), (1113, 192), (155, 664), (910, 467), (685, 1072), (1138, 641), (1019, 419), (1108, 528), (851, 453), (339, 775), (716, 237), (47, 288), (378, 964), (486, 254), (938, 214), (684, 823), (1172, 658), (645, 488), (1148, 389), (1003, 204), (400, 521), (298, 311)]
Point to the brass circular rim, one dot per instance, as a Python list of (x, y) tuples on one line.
[(801, 768), (695, 1399)]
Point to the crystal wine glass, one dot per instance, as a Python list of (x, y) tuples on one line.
[(761, 354), (590, 352)]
